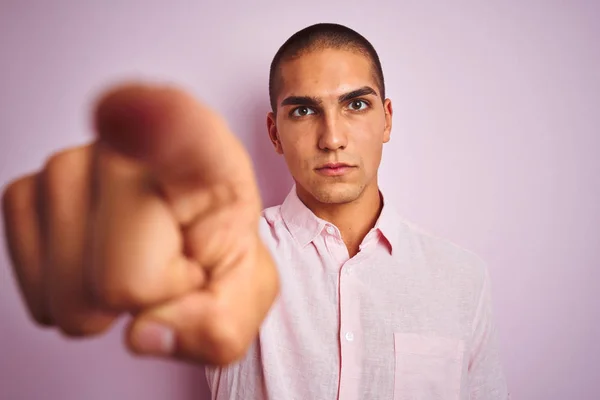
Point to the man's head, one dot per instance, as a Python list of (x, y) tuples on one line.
[(319, 37), (328, 106)]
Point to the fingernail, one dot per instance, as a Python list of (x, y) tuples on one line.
[(154, 338)]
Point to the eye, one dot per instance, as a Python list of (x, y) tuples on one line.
[(358, 105), (302, 111)]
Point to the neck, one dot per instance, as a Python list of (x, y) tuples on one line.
[(354, 219)]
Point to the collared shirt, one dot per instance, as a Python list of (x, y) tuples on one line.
[(408, 317)]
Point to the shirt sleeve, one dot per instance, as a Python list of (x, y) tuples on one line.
[(486, 376)]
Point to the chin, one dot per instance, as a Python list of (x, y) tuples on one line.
[(337, 193)]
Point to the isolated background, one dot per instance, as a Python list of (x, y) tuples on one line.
[(494, 145)]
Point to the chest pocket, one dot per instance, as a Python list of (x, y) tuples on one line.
[(427, 367)]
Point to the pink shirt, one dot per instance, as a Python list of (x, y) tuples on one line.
[(408, 317)]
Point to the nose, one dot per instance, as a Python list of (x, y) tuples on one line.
[(332, 135)]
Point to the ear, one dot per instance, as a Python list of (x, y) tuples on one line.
[(387, 108), (273, 133)]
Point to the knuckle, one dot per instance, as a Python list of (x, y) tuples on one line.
[(14, 194), (41, 318), (60, 167), (63, 159), (73, 317), (73, 331), (110, 165), (81, 327)]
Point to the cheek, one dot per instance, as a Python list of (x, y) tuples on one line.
[(295, 151), (297, 141), (369, 145), (368, 136)]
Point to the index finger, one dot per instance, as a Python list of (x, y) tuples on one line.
[(180, 138)]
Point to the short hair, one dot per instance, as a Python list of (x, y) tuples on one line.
[(322, 36)]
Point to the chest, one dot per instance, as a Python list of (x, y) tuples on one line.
[(352, 324)]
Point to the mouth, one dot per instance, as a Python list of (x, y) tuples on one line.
[(334, 169)]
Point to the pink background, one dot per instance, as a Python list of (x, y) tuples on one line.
[(495, 146)]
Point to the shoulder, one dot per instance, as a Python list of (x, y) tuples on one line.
[(271, 215), (271, 223), (273, 231)]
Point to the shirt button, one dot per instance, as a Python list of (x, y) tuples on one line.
[(349, 336), (348, 270), (331, 230)]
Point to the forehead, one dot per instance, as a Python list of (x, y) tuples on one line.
[(325, 72)]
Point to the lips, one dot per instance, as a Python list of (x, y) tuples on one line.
[(334, 169), (334, 165)]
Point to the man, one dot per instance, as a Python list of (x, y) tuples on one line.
[(330, 295)]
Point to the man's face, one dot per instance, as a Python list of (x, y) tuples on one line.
[(330, 124)]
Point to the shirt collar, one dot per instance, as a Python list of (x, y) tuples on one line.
[(305, 226), (302, 223), (388, 223)]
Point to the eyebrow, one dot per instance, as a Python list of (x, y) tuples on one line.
[(363, 91), (315, 101), (301, 101)]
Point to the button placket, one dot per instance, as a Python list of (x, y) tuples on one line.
[(349, 334)]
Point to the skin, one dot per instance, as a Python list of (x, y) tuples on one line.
[(329, 109)]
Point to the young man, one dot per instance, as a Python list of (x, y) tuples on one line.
[(330, 295)]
